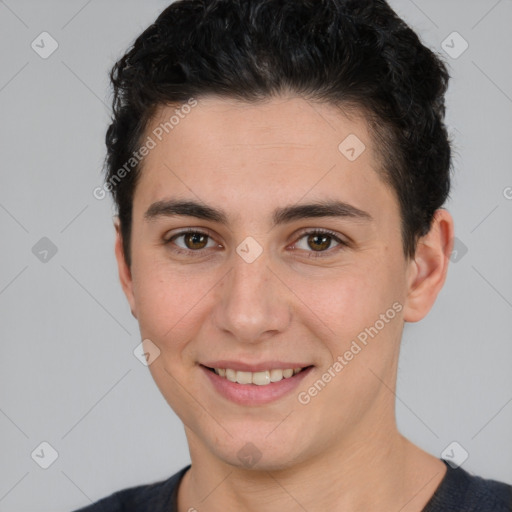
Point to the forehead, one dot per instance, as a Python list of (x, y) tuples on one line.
[(263, 125), (242, 154)]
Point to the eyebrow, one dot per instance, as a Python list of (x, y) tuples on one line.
[(283, 215)]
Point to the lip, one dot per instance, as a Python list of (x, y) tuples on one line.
[(259, 367), (252, 394)]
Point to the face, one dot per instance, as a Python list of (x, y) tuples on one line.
[(259, 245)]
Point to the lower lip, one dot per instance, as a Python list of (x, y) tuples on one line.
[(252, 394)]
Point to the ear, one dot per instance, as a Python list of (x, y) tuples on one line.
[(427, 270), (125, 275)]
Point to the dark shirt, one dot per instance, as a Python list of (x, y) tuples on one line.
[(458, 492)]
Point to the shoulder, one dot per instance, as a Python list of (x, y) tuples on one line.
[(155, 497), (462, 492)]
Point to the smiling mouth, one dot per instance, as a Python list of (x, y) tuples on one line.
[(262, 378)]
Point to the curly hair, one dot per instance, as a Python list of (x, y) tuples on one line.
[(348, 53)]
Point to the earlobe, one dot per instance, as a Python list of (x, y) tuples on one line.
[(125, 275), (428, 269)]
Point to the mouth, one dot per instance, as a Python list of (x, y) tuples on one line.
[(253, 388), (260, 378)]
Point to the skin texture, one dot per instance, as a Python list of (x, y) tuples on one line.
[(342, 450)]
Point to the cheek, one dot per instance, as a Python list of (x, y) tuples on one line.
[(355, 313), (346, 301), (160, 298), (170, 302)]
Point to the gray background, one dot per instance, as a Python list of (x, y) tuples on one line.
[(67, 369)]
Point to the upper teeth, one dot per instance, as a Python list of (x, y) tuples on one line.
[(258, 378)]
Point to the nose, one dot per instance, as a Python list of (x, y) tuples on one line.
[(253, 304)]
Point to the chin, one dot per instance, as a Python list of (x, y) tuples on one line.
[(258, 452), (257, 461)]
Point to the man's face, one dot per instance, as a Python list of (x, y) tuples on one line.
[(267, 291)]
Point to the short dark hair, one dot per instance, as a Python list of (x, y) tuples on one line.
[(348, 53)]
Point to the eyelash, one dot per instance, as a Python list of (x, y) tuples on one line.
[(312, 254)]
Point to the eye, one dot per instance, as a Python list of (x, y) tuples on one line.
[(193, 241), (319, 241), (316, 242)]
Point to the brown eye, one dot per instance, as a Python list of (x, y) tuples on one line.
[(318, 242), (195, 240), (190, 241)]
